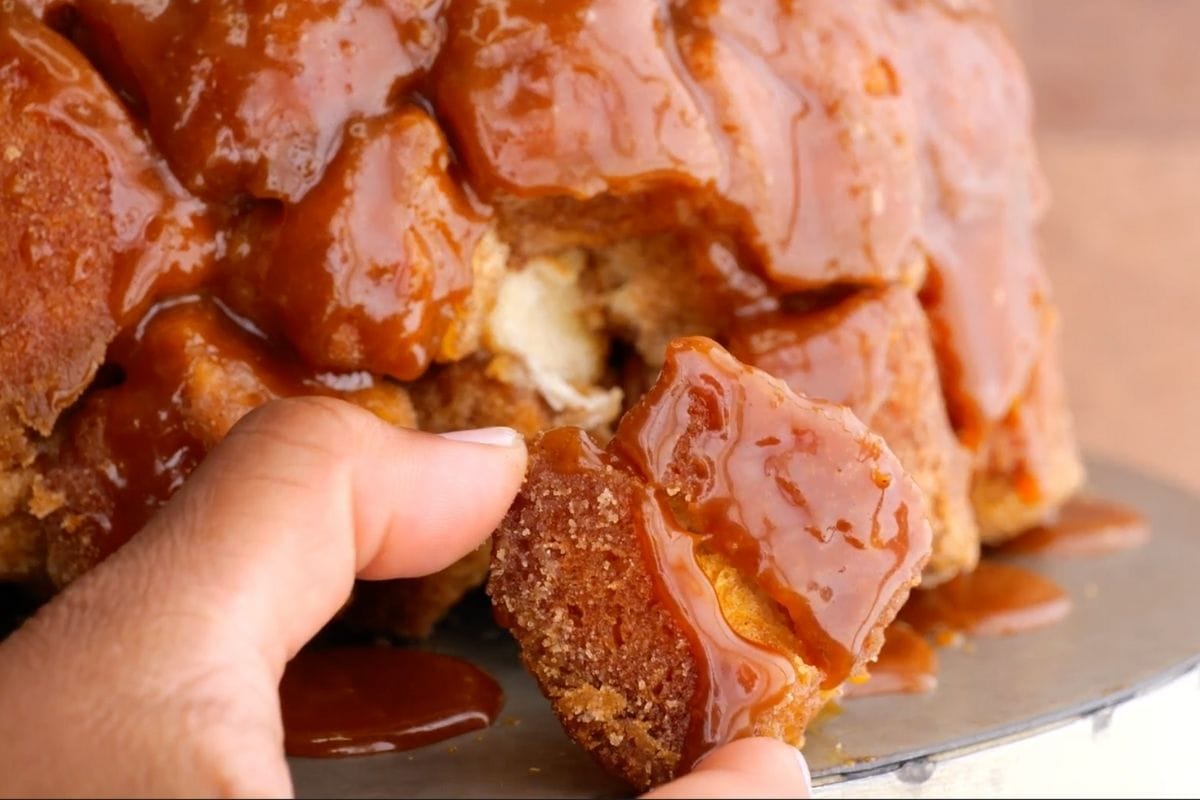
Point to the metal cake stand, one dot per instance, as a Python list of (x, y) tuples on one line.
[(1105, 703)]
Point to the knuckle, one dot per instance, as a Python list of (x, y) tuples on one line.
[(322, 428)]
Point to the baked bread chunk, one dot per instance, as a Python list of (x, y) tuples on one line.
[(718, 571), (465, 213)]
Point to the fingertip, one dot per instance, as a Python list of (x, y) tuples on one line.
[(757, 750), (752, 767)]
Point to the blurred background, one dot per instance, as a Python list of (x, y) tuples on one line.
[(1117, 87)]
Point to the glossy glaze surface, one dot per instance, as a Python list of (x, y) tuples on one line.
[(252, 97), (794, 492), (372, 267)]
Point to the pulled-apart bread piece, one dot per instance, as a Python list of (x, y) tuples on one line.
[(871, 352), (716, 572)]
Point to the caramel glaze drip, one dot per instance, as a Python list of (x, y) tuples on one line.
[(996, 599), (1085, 526), (907, 664), (794, 492), (352, 701), (738, 678)]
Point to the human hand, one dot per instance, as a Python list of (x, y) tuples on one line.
[(157, 673)]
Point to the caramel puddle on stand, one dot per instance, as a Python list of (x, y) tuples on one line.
[(996, 599), (1085, 526), (351, 701), (907, 664)]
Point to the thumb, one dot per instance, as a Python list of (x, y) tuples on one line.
[(744, 768), (157, 672)]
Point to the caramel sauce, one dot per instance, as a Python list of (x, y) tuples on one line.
[(799, 151), (354, 701), (907, 664), (576, 99), (1085, 526), (794, 492), (996, 599), (838, 353)]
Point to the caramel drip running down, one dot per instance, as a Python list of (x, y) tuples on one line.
[(794, 492), (359, 700), (1085, 526), (995, 600), (907, 664), (739, 678)]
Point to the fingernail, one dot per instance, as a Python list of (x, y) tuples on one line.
[(496, 437)]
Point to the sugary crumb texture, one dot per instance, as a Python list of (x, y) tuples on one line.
[(465, 213)]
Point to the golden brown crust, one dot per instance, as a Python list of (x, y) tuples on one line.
[(55, 244), (569, 579)]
